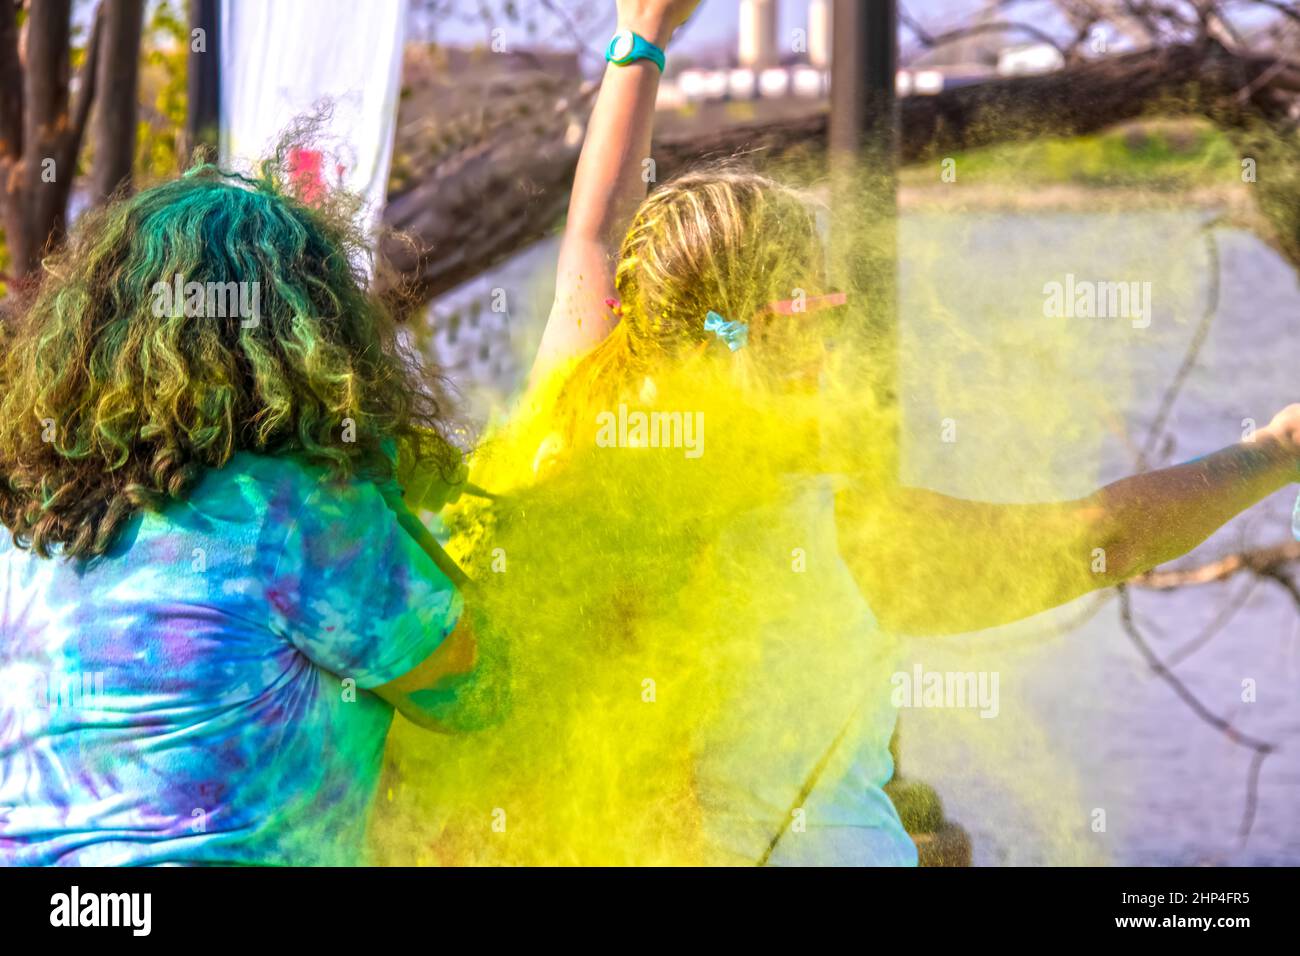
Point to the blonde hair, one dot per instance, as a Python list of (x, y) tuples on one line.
[(722, 239)]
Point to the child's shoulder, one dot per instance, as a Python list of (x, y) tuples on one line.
[(277, 487), (251, 475)]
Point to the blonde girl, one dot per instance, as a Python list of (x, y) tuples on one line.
[(693, 282)]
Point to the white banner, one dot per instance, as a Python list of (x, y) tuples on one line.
[(285, 60)]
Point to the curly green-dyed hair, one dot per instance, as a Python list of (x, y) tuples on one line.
[(116, 399)]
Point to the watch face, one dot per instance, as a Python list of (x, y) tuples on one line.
[(622, 45)]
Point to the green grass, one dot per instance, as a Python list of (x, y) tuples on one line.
[(1171, 154)]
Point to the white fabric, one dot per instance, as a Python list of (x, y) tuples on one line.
[(282, 60), (769, 739)]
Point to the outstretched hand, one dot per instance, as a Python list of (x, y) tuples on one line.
[(1285, 429), (656, 20)]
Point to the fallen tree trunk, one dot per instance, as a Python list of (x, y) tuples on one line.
[(484, 199), (508, 185)]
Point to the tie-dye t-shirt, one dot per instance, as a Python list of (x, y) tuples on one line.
[(199, 694)]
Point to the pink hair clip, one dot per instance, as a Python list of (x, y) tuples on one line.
[(615, 306)]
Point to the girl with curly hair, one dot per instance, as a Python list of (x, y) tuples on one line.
[(213, 590)]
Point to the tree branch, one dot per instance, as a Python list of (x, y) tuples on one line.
[(514, 174), (961, 33), (1261, 748), (87, 79), (1262, 561), (1193, 352)]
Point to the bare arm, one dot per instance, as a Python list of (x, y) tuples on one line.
[(431, 695), (934, 564), (422, 694), (608, 186)]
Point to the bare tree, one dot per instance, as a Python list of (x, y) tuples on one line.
[(43, 123), (114, 122), (1178, 56)]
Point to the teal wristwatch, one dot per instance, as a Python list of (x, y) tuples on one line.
[(628, 47)]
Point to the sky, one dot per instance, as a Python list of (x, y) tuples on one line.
[(714, 27), (715, 22)]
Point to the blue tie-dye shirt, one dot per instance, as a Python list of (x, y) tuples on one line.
[(198, 695)]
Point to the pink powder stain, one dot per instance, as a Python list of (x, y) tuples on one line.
[(306, 174)]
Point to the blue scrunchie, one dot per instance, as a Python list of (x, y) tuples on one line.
[(735, 334)]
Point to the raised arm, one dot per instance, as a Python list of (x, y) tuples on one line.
[(934, 564), (609, 184)]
